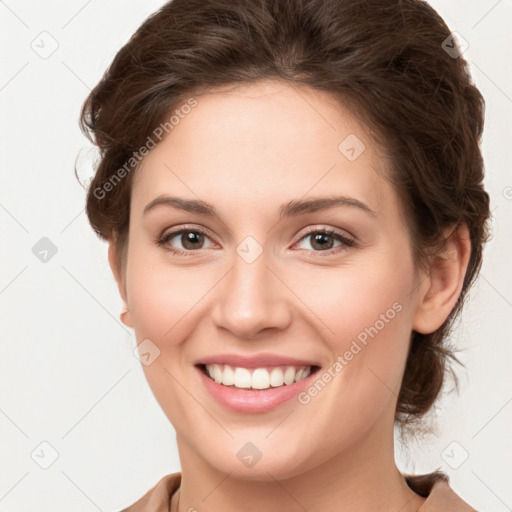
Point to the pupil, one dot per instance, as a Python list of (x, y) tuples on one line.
[(192, 238), (320, 238)]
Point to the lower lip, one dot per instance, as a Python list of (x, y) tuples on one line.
[(252, 401)]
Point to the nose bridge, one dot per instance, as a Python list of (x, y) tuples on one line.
[(251, 298)]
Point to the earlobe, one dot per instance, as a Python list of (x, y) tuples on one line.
[(125, 316), (444, 282)]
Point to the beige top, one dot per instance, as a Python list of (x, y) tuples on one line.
[(434, 486)]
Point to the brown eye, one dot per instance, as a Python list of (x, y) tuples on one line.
[(321, 240), (184, 241), (192, 240)]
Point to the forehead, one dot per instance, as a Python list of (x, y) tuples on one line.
[(263, 143)]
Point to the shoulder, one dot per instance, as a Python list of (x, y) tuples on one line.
[(158, 497), (440, 496)]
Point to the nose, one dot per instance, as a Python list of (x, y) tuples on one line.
[(252, 298)]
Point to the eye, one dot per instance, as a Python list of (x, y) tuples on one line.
[(323, 240), (191, 239)]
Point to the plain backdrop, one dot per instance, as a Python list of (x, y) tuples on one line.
[(79, 427)]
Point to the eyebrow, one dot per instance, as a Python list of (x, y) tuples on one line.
[(290, 209)]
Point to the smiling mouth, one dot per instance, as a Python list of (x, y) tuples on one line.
[(256, 378)]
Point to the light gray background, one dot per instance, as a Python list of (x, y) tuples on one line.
[(68, 374)]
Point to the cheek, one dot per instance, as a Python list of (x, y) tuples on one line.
[(371, 319), (366, 315), (356, 302), (164, 303), (162, 298)]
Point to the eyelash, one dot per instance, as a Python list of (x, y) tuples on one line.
[(347, 242)]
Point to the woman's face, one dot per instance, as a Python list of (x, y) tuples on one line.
[(269, 286)]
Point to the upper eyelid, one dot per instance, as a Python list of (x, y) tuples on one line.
[(327, 229), (184, 229)]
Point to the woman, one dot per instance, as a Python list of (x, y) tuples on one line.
[(292, 195)]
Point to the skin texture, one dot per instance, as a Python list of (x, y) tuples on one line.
[(248, 150)]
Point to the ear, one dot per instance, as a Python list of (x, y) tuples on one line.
[(441, 288), (121, 285)]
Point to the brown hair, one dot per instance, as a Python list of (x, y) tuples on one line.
[(383, 58)]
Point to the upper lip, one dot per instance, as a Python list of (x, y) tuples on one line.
[(255, 361)]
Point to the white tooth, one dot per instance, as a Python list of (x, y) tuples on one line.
[(228, 377), (209, 369), (276, 377), (217, 373), (289, 375), (242, 378), (260, 379)]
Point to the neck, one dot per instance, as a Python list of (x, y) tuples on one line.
[(362, 479)]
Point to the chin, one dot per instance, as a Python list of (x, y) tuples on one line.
[(259, 460)]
